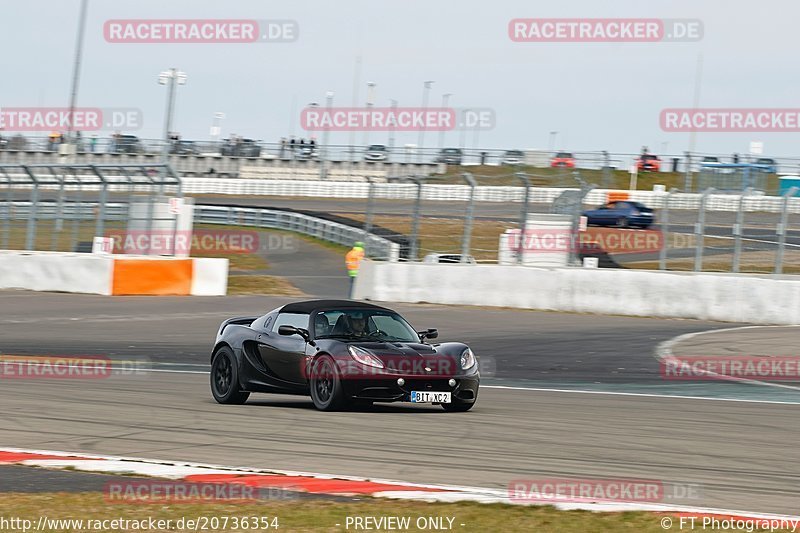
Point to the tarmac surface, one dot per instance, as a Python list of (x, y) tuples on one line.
[(563, 396)]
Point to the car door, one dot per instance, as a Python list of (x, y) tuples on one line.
[(284, 355), (604, 215)]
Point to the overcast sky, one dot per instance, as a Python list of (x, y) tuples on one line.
[(596, 95)]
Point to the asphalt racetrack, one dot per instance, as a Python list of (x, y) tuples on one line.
[(736, 454)]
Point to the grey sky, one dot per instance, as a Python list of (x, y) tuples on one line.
[(598, 95)]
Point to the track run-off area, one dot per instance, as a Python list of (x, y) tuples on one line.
[(563, 396)]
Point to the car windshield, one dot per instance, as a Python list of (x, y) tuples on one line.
[(363, 324), (451, 151), (514, 153), (563, 155), (376, 148)]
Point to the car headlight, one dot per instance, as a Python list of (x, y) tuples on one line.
[(467, 359), (364, 357)]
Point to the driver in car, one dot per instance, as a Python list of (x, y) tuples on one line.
[(358, 325)]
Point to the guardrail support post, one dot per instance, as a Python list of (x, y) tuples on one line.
[(468, 217), (781, 229), (523, 214), (9, 210), (30, 236), (368, 215), (662, 254), (737, 232), (58, 219), (699, 230), (99, 225), (414, 252)]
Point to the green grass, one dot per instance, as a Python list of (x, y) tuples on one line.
[(321, 515), (552, 177), (268, 285)]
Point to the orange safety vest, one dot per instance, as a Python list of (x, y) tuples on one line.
[(353, 260)]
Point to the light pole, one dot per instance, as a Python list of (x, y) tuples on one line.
[(323, 168), (216, 128), (312, 105), (392, 126), (445, 98), (370, 103), (76, 68), (426, 89), (170, 78), (552, 144), (463, 142)]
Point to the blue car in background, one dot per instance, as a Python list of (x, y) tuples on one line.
[(621, 213), (767, 164)]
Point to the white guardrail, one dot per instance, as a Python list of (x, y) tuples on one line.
[(457, 192), (326, 230), (434, 192)]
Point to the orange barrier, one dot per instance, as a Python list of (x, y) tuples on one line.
[(616, 196), (152, 277)]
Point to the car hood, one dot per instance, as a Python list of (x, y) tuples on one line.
[(410, 358)]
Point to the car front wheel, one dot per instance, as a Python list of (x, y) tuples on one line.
[(225, 379), (457, 407), (327, 392)]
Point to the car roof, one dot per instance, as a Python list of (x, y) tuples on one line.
[(308, 306)]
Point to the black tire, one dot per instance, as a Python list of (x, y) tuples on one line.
[(363, 405), (457, 407), (327, 392), (460, 407), (225, 378), (622, 222)]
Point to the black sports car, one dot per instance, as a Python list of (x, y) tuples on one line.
[(341, 353)]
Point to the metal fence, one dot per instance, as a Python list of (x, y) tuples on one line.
[(690, 231), (409, 218), (237, 146), (61, 208)]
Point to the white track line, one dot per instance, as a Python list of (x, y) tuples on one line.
[(664, 353), (520, 388)]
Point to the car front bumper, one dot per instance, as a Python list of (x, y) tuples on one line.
[(388, 390)]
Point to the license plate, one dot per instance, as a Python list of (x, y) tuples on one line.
[(430, 397)]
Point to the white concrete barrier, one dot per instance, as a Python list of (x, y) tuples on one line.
[(113, 274), (56, 271), (747, 298)]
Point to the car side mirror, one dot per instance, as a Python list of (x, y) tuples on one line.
[(291, 330), (288, 330), (430, 333)]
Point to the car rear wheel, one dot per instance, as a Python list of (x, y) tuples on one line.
[(327, 392), (225, 379)]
